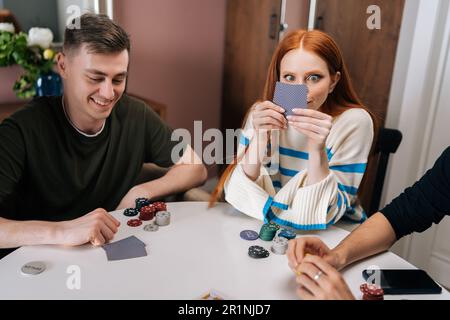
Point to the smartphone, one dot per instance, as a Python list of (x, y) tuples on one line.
[(395, 281)]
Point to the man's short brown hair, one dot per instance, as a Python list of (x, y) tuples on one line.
[(99, 33)]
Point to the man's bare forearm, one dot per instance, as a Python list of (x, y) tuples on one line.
[(179, 178), (373, 236), (15, 234)]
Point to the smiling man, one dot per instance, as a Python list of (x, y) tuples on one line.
[(66, 161)]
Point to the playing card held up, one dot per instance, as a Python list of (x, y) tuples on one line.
[(290, 96)]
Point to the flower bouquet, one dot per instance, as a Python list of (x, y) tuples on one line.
[(32, 52)]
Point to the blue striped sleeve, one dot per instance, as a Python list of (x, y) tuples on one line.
[(293, 153), (244, 140), (348, 189), (277, 184), (288, 172), (350, 168)]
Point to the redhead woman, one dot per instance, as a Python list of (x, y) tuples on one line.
[(316, 157)]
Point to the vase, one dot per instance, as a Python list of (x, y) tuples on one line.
[(49, 84)]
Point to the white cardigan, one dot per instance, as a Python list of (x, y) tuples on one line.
[(281, 195)]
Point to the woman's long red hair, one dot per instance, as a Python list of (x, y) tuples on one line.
[(341, 99)]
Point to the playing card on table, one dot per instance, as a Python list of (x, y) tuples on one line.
[(128, 248), (290, 96)]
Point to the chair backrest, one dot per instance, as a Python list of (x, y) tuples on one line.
[(388, 142)]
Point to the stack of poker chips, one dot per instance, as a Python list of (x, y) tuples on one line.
[(163, 218), (258, 252), (130, 212), (279, 245), (160, 206), (142, 202), (286, 233), (147, 213), (371, 292), (268, 231)]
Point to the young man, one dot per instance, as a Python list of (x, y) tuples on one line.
[(66, 161), (415, 210)]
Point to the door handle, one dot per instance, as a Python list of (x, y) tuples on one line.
[(274, 25), (319, 23)]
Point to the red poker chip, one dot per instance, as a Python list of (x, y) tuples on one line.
[(160, 206), (371, 290), (363, 288), (134, 222), (147, 213), (372, 298)]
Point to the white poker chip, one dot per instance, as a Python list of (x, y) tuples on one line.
[(151, 227), (280, 241), (33, 268), (162, 218), (279, 245)]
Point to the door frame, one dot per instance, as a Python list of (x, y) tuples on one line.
[(413, 105)]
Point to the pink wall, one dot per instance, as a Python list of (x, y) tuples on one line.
[(177, 56), (7, 78)]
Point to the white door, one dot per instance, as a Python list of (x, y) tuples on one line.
[(431, 249)]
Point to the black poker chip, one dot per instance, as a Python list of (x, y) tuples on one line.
[(130, 212), (142, 202), (258, 252)]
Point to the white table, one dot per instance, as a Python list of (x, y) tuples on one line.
[(200, 250)]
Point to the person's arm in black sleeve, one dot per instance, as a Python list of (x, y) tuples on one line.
[(426, 202), (423, 204)]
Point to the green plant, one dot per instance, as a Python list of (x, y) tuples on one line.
[(35, 61)]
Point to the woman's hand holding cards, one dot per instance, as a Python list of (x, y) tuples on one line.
[(314, 124), (268, 116)]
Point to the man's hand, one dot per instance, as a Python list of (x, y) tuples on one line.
[(129, 200), (298, 248), (319, 281), (97, 227)]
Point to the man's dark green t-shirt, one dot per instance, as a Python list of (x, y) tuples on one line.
[(49, 171)]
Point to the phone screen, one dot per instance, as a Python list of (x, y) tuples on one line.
[(394, 281)]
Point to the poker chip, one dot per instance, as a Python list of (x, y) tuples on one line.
[(279, 245), (372, 292), (130, 212), (151, 227), (286, 233), (147, 213), (134, 222), (268, 231), (249, 235), (33, 268), (142, 202), (163, 218), (258, 252), (160, 206)]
